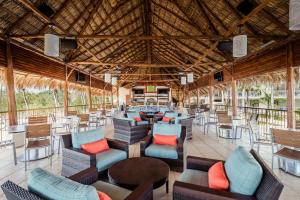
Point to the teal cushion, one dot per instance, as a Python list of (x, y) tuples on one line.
[(106, 159), (113, 191), (143, 123), (132, 115), (171, 114), (81, 138), (167, 129), (243, 171), (132, 121), (163, 109), (50, 186), (161, 151)]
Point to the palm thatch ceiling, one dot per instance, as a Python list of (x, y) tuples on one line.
[(146, 39)]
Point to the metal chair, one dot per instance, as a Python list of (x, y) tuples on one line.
[(6, 143), (246, 126), (225, 123), (84, 121), (38, 136), (258, 138), (297, 124), (72, 113), (211, 121)]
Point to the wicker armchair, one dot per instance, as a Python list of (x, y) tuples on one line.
[(269, 188), (126, 131), (175, 164), (88, 176), (75, 160)]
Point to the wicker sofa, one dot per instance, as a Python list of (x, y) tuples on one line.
[(163, 152), (128, 131), (75, 159), (269, 188), (88, 177)]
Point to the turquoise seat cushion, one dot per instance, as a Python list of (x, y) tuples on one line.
[(89, 136), (161, 151), (163, 109), (106, 159), (113, 191), (167, 129), (195, 177), (171, 114), (132, 115), (143, 123), (50, 186), (243, 171), (132, 121)]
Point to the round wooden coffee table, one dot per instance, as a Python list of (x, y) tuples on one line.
[(132, 172)]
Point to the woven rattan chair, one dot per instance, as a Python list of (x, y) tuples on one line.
[(38, 136)]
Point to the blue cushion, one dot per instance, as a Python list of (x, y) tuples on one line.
[(171, 114), (132, 121), (50, 186), (143, 123), (86, 137), (167, 129), (132, 115), (106, 159), (161, 151), (243, 171)]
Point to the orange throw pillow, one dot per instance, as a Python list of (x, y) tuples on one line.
[(96, 147), (165, 139), (217, 177), (138, 119), (166, 119), (103, 196)]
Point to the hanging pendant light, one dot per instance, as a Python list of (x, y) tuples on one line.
[(183, 80), (190, 77), (114, 80), (294, 15), (107, 77), (51, 45), (239, 46)]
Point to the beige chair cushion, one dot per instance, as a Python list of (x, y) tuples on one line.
[(195, 177), (113, 191)]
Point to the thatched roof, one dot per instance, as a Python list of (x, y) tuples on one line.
[(98, 23)]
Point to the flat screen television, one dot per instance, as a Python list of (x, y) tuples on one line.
[(150, 89), (138, 91), (218, 76), (80, 77), (162, 91)]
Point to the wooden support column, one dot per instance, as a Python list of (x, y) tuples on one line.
[(234, 97), (10, 87), (197, 97), (90, 101), (112, 97), (118, 96), (66, 93), (211, 97), (290, 87)]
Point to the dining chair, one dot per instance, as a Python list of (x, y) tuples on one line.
[(259, 138), (37, 119), (72, 113), (225, 124), (211, 120), (245, 127), (297, 124), (38, 136), (6, 143), (84, 121)]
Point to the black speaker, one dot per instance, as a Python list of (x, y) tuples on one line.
[(68, 44), (45, 9), (225, 46), (246, 6), (218, 76), (79, 77)]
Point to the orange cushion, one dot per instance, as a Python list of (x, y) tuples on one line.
[(165, 139), (217, 178), (96, 147), (166, 119), (103, 196), (138, 119)]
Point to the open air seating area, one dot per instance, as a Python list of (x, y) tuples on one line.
[(149, 99)]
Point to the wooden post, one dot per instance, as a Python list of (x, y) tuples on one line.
[(112, 97), (234, 97), (197, 97), (90, 101), (290, 87), (10, 87), (211, 97), (118, 100), (66, 94)]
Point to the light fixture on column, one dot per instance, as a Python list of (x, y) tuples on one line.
[(190, 77), (107, 77), (114, 80), (294, 15), (51, 45), (183, 80)]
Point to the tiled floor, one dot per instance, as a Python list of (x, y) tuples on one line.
[(201, 145)]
